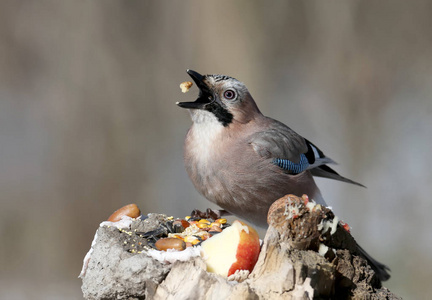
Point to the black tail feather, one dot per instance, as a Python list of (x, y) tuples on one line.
[(379, 268), (327, 172)]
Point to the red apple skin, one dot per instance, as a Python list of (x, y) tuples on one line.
[(247, 251)]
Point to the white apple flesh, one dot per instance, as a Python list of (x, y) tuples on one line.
[(235, 248)]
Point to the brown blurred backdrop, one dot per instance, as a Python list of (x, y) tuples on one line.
[(88, 121)]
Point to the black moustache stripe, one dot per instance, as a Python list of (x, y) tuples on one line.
[(221, 113)]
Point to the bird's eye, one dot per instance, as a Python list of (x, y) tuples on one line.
[(229, 94)]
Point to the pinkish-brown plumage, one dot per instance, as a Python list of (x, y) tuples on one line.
[(243, 161), (225, 168)]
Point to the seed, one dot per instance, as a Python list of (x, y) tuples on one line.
[(221, 221), (192, 239), (185, 223), (205, 221), (205, 236), (203, 225), (181, 222), (130, 210), (170, 243), (178, 227), (216, 228), (176, 236)]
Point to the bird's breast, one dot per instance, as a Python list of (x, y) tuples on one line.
[(201, 141)]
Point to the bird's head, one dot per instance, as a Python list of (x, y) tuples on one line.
[(224, 97)]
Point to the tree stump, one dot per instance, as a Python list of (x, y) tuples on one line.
[(291, 265)]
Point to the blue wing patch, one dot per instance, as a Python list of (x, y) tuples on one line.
[(291, 167)]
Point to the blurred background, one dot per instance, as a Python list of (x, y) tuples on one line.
[(88, 121)]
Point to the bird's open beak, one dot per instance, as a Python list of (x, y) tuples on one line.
[(205, 94)]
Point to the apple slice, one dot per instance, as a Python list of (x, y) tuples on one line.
[(235, 248)]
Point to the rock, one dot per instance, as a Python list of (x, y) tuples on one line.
[(114, 273)]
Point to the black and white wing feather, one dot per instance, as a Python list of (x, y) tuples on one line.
[(293, 153)]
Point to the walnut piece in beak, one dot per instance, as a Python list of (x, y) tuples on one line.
[(185, 86)]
